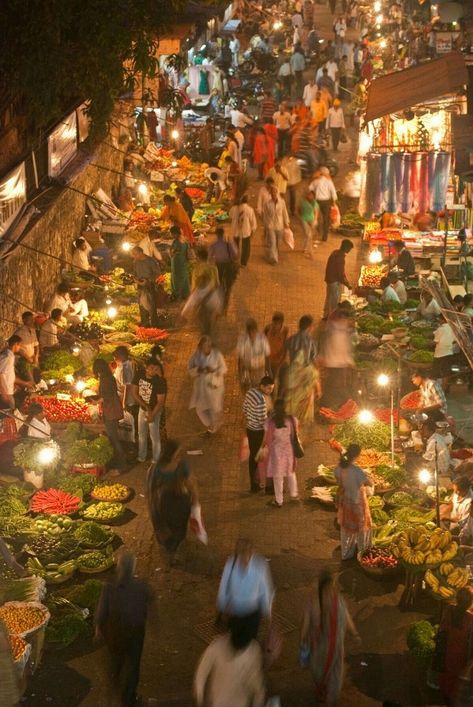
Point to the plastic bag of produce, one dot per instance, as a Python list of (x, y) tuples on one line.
[(288, 236), (335, 218), (197, 525)]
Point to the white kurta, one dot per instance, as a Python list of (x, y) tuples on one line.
[(208, 389)]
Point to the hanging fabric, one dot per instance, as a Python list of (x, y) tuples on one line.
[(391, 197), (373, 185), (442, 171), (423, 200), (398, 160), (406, 177)]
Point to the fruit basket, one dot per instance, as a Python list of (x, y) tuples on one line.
[(95, 561), (446, 580), (22, 618), (411, 401), (93, 535), (114, 493), (104, 512), (379, 562)]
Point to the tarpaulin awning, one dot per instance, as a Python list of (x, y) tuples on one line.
[(405, 89)]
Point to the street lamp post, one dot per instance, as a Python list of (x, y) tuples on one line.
[(384, 380)]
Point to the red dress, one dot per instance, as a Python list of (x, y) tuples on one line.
[(272, 135), (260, 149), (457, 650)]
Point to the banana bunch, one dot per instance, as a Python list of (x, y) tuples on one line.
[(419, 546), (448, 580)]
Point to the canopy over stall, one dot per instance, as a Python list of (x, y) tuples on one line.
[(407, 88)]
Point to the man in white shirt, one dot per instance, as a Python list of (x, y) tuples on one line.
[(436, 449), (217, 183), (275, 220), (445, 345), (291, 167), (457, 512), (335, 123), (389, 295), (8, 377), (285, 74), (48, 334), (326, 195), (283, 121), (29, 347), (239, 119), (398, 286), (235, 50), (264, 195), (297, 21), (38, 427), (310, 92)]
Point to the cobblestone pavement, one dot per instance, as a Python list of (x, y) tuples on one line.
[(298, 539)]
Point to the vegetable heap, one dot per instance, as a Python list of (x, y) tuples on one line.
[(111, 492), (377, 557), (18, 646), (78, 483), (421, 356), (411, 401), (376, 435), (55, 501), (92, 534), (64, 410), (421, 639), (98, 451), (145, 333), (52, 550), (345, 412), (103, 511), (96, 560)]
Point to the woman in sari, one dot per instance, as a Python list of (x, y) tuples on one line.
[(179, 264), (302, 382), (260, 152), (207, 367), (353, 511), (271, 132), (174, 211), (455, 642), (325, 623), (171, 494)]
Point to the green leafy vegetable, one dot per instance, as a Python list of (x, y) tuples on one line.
[(375, 435), (421, 639)]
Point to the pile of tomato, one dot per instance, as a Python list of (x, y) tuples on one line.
[(379, 557), (74, 410)]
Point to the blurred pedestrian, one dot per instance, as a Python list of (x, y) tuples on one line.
[(186, 202), (325, 623), (149, 390), (225, 256), (207, 368), (308, 211), (302, 384), (260, 152), (290, 166), (336, 358), (455, 643), (171, 493), (246, 591), (283, 121), (253, 355), (276, 334), (112, 411), (230, 671), (120, 619), (326, 194), (275, 220)]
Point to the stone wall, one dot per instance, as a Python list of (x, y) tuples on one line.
[(30, 277)]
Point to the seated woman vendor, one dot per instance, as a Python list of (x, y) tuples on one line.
[(389, 293), (456, 514)]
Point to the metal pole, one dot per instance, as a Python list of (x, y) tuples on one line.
[(444, 256), (392, 425), (437, 490)]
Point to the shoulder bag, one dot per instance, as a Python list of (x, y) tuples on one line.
[(296, 442)]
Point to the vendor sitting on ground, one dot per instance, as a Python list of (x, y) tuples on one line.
[(389, 294), (398, 286), (50, 331), (79, 305), (428, 307), (36, 424), (436, 452), (432, 398), (456, 514)]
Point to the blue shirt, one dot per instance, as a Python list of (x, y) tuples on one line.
[(244, 590)]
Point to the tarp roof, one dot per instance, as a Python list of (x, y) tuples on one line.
[(405, 89)]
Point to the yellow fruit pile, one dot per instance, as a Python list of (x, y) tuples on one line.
[(417, 546), (110, 492), (22, 618), (447, 580)]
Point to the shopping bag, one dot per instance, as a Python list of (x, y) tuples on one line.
[(197, 525), (289, 238), (335, 218), (244, 453), (272, 646)]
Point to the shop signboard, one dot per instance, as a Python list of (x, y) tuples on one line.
[(62, 145), (12, 196)]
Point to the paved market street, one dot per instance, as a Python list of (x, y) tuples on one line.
[(297, 540)]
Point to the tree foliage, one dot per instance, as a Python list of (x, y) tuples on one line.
[(55, 51)]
